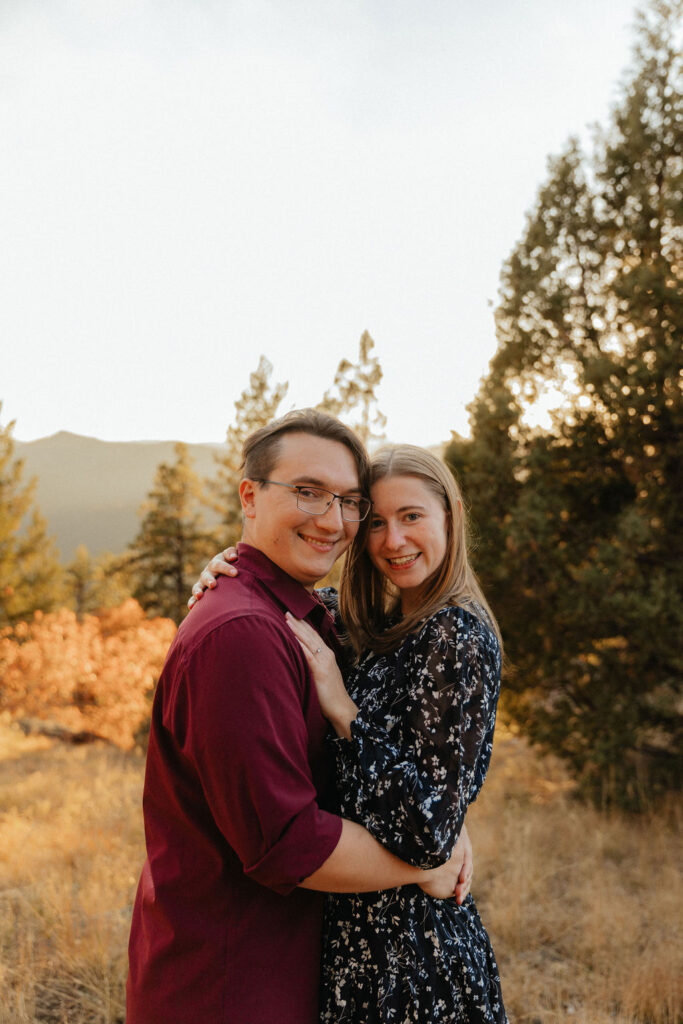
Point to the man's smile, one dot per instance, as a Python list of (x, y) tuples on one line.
[(318, 543)]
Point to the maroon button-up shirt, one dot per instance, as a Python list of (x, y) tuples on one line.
[(235, 773)]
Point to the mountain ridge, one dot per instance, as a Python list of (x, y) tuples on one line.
[(90, 490)]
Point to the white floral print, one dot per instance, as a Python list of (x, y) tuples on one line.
[(418, 755)]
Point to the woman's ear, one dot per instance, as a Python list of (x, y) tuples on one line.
[(247, 491)]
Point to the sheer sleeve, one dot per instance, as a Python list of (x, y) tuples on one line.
[(330, 598), (415, 769)]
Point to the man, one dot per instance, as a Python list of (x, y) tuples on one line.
[(227, 920)]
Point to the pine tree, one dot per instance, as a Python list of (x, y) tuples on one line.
[(590, 532), (172, 542), (30, 574), (487, 466), (354, 393), (93, 584), (256, 407), (80, 573)]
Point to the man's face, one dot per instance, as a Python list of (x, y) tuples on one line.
[(305, 546)]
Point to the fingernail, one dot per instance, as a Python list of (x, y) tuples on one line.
[(212, 585)]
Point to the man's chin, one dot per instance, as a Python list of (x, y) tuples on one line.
[(316, 570), (323, 566)]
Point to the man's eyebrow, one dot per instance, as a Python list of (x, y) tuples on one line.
[(314, 482)]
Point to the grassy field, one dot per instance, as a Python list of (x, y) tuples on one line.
[(584, 910)]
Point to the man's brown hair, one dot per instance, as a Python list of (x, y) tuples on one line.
[(262, 448)]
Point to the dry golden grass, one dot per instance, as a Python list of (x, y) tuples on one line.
[(583, 909), (70, 850)]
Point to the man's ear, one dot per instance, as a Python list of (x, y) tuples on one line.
[(247, 496)]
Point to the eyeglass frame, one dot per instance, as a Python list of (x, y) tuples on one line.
[(341, 498)]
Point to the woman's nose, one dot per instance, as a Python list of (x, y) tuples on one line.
[(394, 537)]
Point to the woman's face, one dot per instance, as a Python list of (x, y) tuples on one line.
[(408, 534)]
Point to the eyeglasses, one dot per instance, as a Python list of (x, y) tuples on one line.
[(317, 500)]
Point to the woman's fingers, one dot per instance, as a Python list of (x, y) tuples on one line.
[(220, 565), (305, 634), (335, 702), (217, 567), (320, 657)]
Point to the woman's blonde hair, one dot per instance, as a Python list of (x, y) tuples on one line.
[(368, 601)]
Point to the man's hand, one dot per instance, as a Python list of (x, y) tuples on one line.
[(455, 876)]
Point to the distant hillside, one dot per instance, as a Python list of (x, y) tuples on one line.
[(90, 491)]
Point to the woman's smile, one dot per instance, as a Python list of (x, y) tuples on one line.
[(404, 561)]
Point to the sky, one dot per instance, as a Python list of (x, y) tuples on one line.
[(186, 185)]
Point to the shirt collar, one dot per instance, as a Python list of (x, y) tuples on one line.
[(292, 594)]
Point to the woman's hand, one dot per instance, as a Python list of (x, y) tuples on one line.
[(219, 565), (335, 703), (455, 876)]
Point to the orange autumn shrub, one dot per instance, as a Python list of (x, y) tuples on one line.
[(94, 675)]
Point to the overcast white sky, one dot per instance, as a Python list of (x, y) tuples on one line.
[(187, 184)]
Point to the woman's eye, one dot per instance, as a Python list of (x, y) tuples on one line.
[(309, 492), (376, 524), (412, 517)]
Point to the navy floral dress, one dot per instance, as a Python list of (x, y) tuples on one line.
[(418, 755)]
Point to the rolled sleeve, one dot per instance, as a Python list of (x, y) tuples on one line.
[(246, 731), (306, 844)]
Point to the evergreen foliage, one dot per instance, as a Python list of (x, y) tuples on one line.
[(30, 573), (354, 393), (172, 542), (581, 527), (93, 584), (257, 406)]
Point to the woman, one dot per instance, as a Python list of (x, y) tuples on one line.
[(414, 727)]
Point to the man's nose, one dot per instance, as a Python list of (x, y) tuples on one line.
[(331, 518)]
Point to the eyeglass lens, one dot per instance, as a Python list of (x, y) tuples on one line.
[(317, 502)]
